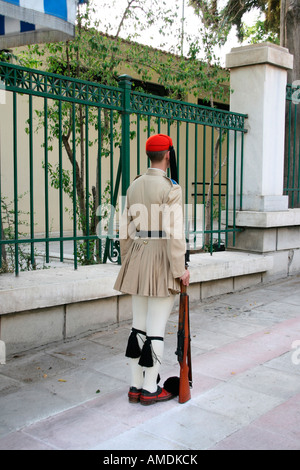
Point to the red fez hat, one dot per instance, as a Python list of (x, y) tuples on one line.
[(158, 143)]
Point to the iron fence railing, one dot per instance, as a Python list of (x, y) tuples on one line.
[(69, 150), (292, 146)]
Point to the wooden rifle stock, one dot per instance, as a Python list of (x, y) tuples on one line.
[(184, 347)]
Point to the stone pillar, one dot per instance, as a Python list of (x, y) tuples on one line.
[(258, 78)]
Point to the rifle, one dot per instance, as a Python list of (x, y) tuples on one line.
[(184, 347), (183, 335)]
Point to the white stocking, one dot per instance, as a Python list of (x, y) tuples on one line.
[(150, 314)]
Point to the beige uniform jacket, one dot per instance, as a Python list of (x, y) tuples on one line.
[(151, 263)]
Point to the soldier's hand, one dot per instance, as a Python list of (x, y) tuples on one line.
[(185, 278)]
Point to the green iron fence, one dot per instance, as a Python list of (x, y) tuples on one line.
[(292, 146), (70, 148)]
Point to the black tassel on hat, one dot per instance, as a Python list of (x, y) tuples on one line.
[(133, 348), (173, 165)]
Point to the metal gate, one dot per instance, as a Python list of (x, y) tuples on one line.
[(292, 146), (69, 150)]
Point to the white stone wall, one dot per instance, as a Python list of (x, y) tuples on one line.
[(258, 76)]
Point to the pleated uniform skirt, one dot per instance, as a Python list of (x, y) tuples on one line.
[(146, 270)]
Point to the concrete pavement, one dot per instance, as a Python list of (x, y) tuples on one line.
[(246, 384)]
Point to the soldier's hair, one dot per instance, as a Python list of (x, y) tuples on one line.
[(157, 156)]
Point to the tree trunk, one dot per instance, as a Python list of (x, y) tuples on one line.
[(209, 201), (290, 34)]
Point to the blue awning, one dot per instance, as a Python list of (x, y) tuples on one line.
[(34, 21)]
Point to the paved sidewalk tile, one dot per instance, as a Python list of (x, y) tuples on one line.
[(245, 395)]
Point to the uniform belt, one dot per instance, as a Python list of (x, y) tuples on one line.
[(151, 234)]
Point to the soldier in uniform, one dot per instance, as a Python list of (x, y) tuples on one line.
[(153, 250)]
